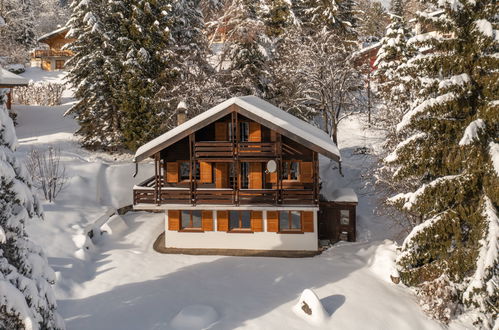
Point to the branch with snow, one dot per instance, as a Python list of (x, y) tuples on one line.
[(471, 132)]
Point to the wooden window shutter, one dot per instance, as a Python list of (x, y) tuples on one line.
[(255, 132), (306, 172), (207, 220), (172, 172), (173, 220), (223, 221), (272, 221), (307, 220), (221, 131), (222, 175), (255, 176), (206, 172), (256, 220)]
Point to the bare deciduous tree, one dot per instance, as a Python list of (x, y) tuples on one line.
[(46, 171)]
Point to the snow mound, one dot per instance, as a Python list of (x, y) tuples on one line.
[(115, 225), (310, 308), (194, 317), (382, 263)]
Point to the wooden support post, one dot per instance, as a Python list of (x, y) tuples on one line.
[(237, 165), (279, 168), (192, 170), (316, 177), (9, 99), (157, 197)]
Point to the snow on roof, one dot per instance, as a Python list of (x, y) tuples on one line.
[(11, 79), (366, 49), (256, 109), (50, 34), (343, 195)]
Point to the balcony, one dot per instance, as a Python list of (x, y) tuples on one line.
[(39, 53), (225, 149), (148, 193)]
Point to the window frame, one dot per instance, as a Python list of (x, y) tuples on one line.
[(290, 230), (197, 175), (191, 228), (239, 229), (286, 164)]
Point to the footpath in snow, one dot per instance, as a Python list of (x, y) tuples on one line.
[(121, 283)]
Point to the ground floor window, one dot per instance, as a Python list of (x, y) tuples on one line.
[(191, 219), (59, 64), (289, 220), (240, 220)]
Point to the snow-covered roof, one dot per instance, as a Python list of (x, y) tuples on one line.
[(50, 34), (255, 109), (367, 49), (11, 79), (343, 195)]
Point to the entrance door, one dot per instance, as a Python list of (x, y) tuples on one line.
[(327, 224)]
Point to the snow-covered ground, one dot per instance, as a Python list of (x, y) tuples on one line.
[(121, 283)]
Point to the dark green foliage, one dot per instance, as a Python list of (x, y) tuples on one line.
[(457, 188)]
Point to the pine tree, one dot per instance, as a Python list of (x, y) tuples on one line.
[(328, 15), (452, 131), (142, 56), (392, 83), (277, 18), (92, 74), (372, 20), (247, 73), (26, 297)]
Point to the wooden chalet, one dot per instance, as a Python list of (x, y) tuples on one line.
[(50, 54), (10, 80), (242, 176)]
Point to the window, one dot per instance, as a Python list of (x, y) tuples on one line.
[(240, 220), (345, 217), (289, 220), (59, 64), (191, 219), (244, 131), (184, 169), (244, 175), (290, 170)]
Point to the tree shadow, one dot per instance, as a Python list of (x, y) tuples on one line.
[(239, 288)]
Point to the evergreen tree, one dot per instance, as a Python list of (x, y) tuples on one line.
[(142, 56), (392, 83), (92, 75), (329, 15), (17, 34), (247, 73), (452, 132), (26, 297), (397, 7), (277, 18), (372, 20)]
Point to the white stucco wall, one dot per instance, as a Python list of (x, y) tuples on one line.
[(252, 241)]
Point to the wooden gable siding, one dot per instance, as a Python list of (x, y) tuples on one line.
[(294, 150), (268, 131)]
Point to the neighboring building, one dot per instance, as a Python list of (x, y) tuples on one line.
[(10, 80), (49, 55), (242, 177)]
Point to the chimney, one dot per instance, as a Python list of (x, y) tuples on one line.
[(181, 113)]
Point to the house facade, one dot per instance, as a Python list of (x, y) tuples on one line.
[(243, 175), (49, 54)]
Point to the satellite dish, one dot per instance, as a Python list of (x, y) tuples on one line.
[(271, 166)]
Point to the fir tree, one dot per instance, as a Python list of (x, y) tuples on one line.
[(26, 297), (277, 18), (247, 73), (452, 131), (372, 20), (329, 15), (92, 74), (17, 33), (392, 83)]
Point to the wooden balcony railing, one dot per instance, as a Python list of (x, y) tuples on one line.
[(144, 194), (256, 149), (213, 149), (38, 53)]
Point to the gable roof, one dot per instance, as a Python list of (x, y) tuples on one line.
[(53, 33), (8, 78), (255, 109)]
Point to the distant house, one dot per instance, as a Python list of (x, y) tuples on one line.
[(10, 80), (243, 178), (49, 54)]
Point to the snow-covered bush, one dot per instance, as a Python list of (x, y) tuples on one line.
[(437, 298), (40, 93), (47, 172)]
